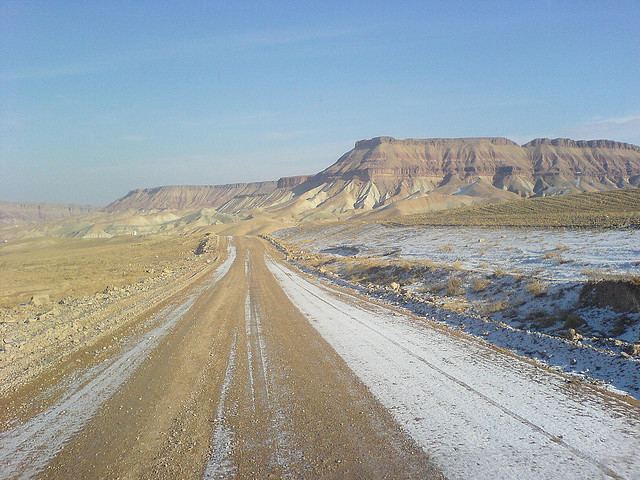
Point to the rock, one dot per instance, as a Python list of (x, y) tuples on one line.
[(633, 350), (573, 335), (110, 289), (40, 300), (394, 286)]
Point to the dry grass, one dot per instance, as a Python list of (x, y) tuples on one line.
[(454, 287), (479, 284), (536, 288), (553, 255), (63, 267), (457, 305), (494, 307), (499, 272), (457, 265)]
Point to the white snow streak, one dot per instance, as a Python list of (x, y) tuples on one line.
[(478, 412), (247, 319), (220, 463)]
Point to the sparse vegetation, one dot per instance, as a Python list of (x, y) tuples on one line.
[(454, 287), (78, 267), (536, 288), (620, 293), (499, 272), (613, 209), (494, 307), (573, 320), (479, 284)]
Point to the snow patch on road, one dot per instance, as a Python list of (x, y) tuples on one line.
[(220, 464), (478, 412), (223, 269), (247, 317)]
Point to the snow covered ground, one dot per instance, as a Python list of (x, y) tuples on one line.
[(479, 412), (517, 288), (553, 255)]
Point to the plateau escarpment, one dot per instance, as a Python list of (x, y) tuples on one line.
[(411, 173)]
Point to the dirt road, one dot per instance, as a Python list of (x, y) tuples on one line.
[(229, 381), (260, 372)]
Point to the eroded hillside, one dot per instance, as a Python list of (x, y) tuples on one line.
[(384, 171)]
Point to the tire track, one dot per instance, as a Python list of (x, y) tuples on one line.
[(283, 453), (220, 464)]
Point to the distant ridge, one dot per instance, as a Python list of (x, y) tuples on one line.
[(568, 143), (24, 212)]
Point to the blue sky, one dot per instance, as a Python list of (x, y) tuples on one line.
[(97, 98)]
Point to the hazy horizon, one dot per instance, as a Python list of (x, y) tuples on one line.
[(97, 100)]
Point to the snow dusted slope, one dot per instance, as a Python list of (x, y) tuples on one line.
[(480, 413), (554, 254)]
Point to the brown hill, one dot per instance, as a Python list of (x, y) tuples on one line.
[(384, 171), (615, 208)]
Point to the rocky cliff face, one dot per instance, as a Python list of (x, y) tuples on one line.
[(181, 197), (292, 182), (385, 170), (540, 167)]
